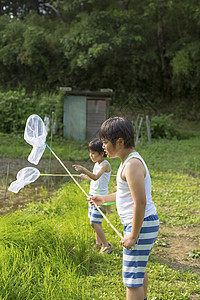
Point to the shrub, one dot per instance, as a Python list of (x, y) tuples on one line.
[(162, 126), (16, 106)]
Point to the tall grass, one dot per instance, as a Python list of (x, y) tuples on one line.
[(45, 249)]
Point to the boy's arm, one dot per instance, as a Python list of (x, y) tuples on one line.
[(84, 176), (134, 173), (90, 174), (101, 199)]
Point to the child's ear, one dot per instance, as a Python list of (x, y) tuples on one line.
[(120, 142)]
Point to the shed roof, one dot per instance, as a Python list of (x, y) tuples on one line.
[(106, 93)]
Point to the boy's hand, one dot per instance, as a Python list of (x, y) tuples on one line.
[(98, 200), (128, 242), (83, 176), (78, 168)]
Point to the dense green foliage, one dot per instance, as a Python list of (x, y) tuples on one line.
[(15, 108), (46, 249), (147, 51), (162, 126)]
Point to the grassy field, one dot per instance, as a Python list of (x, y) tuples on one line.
[(46, 248)]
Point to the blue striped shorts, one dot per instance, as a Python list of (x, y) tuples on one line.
[(135, 261), (93, 214)]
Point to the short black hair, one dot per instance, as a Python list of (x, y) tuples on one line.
[(96, 145), (115, 128)]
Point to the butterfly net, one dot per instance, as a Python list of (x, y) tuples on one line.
[(35, 135), (24, 176)]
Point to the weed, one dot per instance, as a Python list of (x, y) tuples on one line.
[(194, 254)]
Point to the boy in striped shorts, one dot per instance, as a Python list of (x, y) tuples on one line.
[(99, 180), (134, 203)]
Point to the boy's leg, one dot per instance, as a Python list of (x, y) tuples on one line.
[(98, 240), (145, 284), (136, 259), (96, 222), (135, 293), (100, 232), (108, 209)]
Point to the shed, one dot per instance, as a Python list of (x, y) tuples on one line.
[(84, 112)]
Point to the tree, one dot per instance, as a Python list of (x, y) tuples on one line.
[(20, 8), (147, 49)]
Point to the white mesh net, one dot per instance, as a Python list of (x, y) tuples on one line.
[(35, 134), (24, 176)]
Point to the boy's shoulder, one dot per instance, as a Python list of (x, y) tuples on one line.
[(105, 164), (132, 162), (135, 165)]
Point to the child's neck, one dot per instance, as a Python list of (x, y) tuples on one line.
[(100, 161), (126, 153)]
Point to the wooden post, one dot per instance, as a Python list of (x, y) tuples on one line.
[(51, 128), (148, 129), (138, 130), (8, 169), (136, 121)]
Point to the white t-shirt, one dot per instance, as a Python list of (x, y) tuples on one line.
[(100, 186), (124, 200)]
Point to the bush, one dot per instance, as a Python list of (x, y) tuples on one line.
[(17, 106), (162, 126), (14, 108)]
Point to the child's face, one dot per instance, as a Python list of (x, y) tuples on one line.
[(109, 148), (95, 156)]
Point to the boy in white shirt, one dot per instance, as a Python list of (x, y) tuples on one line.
[(134, 204), (98, 186)]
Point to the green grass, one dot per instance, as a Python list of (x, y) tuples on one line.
[(173, 155), (162, 155), (46, 248), (14, 146), (46, 253)]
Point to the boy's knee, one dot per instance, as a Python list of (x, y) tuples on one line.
[(95, 225), (92, 224), (135, 293)]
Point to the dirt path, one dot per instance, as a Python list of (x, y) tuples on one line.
[(179, 247), (42, 187), (44, 166)]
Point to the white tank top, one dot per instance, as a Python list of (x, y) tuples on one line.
[(100, 186), (124, 200)]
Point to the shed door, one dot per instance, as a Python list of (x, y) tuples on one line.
[(75, 117), (96, 115)]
